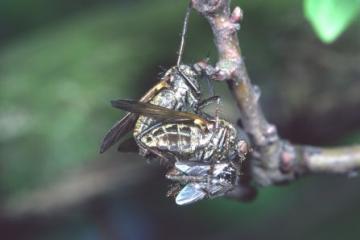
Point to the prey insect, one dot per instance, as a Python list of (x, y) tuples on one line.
[(185, 136), (207, 152), (178, 89), (201, 180)]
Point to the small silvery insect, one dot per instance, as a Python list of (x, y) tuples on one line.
[(201, 180)]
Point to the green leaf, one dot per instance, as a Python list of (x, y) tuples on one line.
[(330, 18)]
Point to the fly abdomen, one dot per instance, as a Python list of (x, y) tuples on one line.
[(176, 138)]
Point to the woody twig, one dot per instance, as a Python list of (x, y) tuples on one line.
[(274, 160)]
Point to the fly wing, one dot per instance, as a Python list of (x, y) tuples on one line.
[(193, 168), (157, 112), (127, 123), (189, 194), (119, 129)]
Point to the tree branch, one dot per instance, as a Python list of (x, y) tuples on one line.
[(341, 160), (274, 160), (231, 67)]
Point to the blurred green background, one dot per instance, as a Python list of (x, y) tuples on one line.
[(61, 62)]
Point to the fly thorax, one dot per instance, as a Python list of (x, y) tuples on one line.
[(180, 94), (187, 79), (181, 90)]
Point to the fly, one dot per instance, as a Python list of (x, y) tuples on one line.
[(201, 180), (185, 136), (178, 89)]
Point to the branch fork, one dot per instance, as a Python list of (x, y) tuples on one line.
[(274, 160)]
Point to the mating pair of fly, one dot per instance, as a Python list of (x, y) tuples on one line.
[(168, 123)]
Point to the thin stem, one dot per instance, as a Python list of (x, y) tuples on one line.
[(183, 34)]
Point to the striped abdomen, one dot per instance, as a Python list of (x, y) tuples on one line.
[(180, 139)]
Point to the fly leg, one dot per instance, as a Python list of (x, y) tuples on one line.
[(174, 189), (217, 113), (206, 102), (209, 177)]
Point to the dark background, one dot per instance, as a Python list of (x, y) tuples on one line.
[(61, 62)]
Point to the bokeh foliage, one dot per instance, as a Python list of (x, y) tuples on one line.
[(56, 85), (330, 18), (57, 77), (56, 82)]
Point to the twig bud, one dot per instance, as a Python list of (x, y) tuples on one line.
[(236, 15)]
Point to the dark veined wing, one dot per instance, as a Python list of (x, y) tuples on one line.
[(127, 123), (118, 130), (158, 112)]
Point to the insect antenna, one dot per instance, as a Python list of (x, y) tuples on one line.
[(183, 34)]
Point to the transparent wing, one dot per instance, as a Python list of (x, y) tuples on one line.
[(156, 111), (127, 123), (193, 169), (189, 194)]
